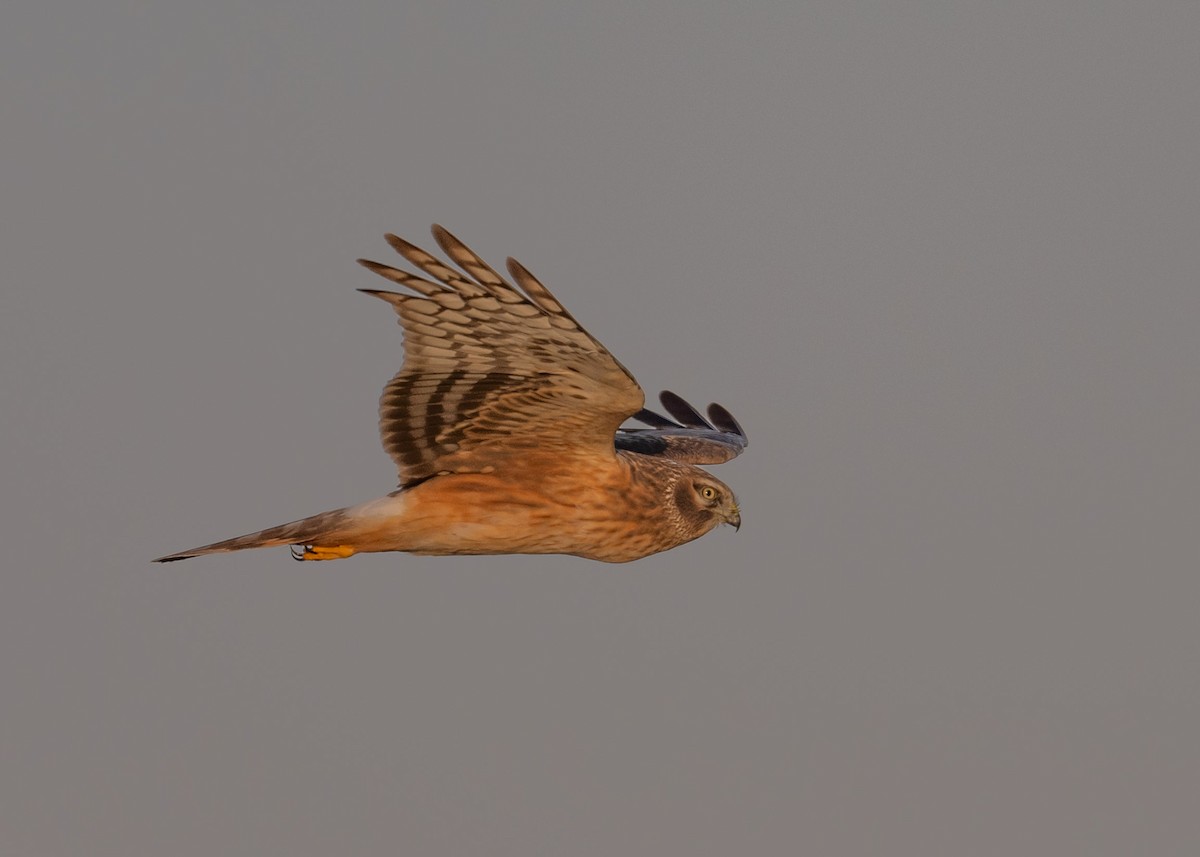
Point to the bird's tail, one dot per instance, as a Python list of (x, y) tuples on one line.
[(322, 528)]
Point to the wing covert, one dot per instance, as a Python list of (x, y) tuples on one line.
[(491, 370)]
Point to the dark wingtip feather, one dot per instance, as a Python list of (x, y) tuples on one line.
[(722, 419), (650, 418), (678, 408), (692, 439)]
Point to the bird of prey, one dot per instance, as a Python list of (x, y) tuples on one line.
[(505, 424)]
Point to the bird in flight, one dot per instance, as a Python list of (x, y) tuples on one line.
[(505, 424)]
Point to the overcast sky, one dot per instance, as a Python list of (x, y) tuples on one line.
[(940, 259)]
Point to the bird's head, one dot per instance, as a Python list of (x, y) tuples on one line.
[(704, 501)]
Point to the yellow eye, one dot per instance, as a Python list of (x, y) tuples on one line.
[(708, 492)]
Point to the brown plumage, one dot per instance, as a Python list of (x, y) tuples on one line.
[(504, 423)]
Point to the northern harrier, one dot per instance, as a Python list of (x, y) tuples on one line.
[(504, 422)]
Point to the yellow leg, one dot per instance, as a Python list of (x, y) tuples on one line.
[(314, 552)]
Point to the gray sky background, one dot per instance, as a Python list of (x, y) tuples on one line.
[(939, 258)]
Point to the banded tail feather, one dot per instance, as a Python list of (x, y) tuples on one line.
[(318, 528)]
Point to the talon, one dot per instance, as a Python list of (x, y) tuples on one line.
[(318, 552)]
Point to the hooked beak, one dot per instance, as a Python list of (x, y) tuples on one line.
[(734, 518)]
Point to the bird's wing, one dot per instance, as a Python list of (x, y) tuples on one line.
[(491, 371), (689, 437)]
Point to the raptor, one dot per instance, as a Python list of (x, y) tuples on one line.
[(504, 422)]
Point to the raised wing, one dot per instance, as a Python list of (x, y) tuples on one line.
[(491, 371), (690, 437)]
